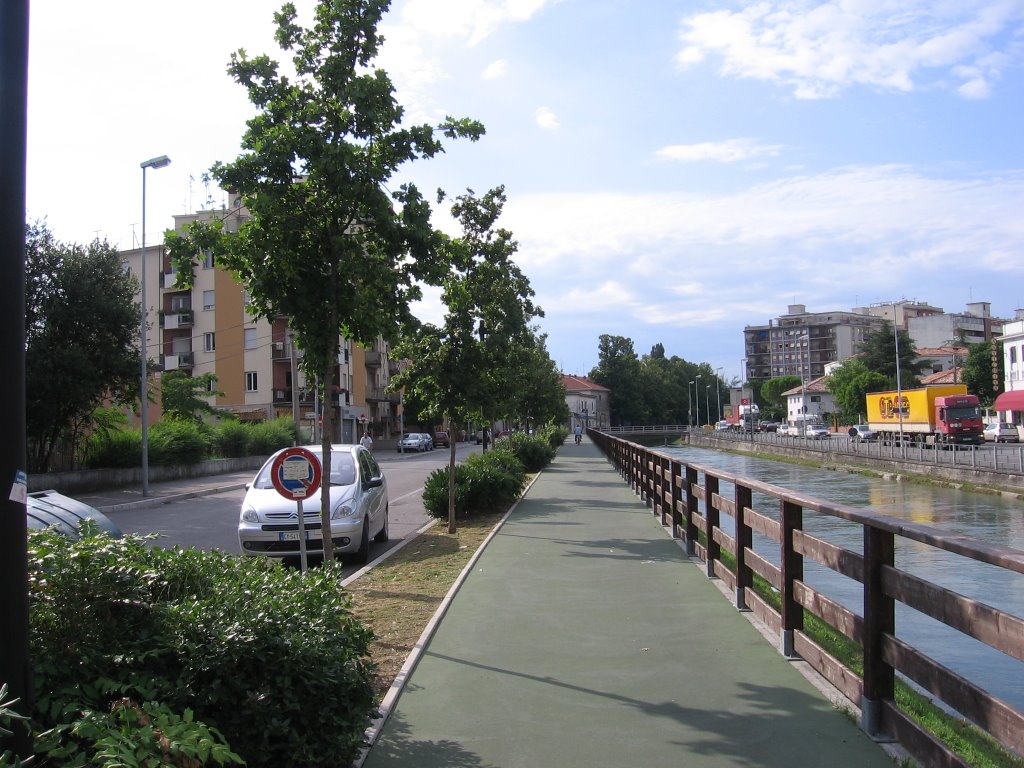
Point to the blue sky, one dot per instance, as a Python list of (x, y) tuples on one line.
[(674, 170)]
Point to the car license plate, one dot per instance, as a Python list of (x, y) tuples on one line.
[(290, 535)]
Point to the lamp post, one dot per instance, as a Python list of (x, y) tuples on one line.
[(899, 385), (689, 404), (156, 162), (696, 397), (718, 387), (707, 408)]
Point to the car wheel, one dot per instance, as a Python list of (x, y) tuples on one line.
[(382, 534), (363, 553)]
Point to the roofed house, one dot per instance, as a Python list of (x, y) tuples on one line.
[(588, 402), (809, 401)]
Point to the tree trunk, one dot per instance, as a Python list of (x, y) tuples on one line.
[(327, 413), (451, 482)]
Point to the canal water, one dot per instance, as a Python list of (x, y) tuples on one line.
[(988, 518)]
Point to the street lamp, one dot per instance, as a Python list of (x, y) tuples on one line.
[(718, 387), (899, 384), (689, 403), (156, 162), (696, 397), (707, 408)]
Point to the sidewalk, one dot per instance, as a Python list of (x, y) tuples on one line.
[(585, 637), (164, 492)]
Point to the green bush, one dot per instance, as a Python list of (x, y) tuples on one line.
[(265, 437), (484, 483), (271, 658), (533, 451), (555, 434), (176, 441), (231, 439), (115, 449)]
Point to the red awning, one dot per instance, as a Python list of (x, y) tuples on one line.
[(1010, 401)]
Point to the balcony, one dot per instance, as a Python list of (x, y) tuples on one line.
[(283, 396), (373, 358), (380, 395), (181, 361), (180, 318), (280, 350), (170, 281)]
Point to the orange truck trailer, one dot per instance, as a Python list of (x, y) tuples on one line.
[(934, 415)]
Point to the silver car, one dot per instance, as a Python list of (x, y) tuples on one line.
[(269, 523)]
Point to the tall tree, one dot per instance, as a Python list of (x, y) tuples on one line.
[(472, 360), (81, 328), (850, 384), (327, 244), (978, 372), (878, 353), (185, 397), (539, 395), (772, 400), (618, 369)]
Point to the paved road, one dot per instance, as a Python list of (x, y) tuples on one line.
[(584, 637)]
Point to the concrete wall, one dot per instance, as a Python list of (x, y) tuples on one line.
[(100, 479)]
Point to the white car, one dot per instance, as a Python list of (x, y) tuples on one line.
[(269, 522), (817, 432), (415, 441), (860, 432), (1001, 432)]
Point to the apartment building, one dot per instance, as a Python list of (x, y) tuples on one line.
[(207, 329), (933, 327), (802, 343), (1010, 404)]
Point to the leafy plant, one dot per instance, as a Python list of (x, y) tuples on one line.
[(265, 437), (231, 439), (173, 441), (532, 451), (261, 653), (484, 483)]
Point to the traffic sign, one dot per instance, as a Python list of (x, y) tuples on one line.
[(296, 473)]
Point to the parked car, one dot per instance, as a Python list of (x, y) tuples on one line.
[(268, 523), (49, 508), (817, 432), (783, 429), (1001, 432), (860, 432), (768, 426), (722, 426), (441, 440), (414, 441)]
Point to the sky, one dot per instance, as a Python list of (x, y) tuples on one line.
[(674, 170)]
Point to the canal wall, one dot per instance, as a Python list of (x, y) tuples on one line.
[(1005, 482)]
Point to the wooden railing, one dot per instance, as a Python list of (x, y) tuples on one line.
[(687, 499)]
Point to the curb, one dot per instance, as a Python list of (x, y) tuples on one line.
[(156, 501)]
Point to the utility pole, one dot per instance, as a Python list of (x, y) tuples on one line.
[(15, 669)]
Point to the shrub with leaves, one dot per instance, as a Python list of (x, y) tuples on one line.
[(265, 437), (533, 451), (271, 658), (231, 439), (115, 448), (176, 441), (555, 434), (484, 483)]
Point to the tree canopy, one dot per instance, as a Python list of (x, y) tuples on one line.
[(326, 243), (978, 372), (878, 353), (81, 334), (475, 360), (850, 384), (184, 397)]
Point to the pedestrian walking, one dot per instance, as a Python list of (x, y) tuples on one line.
[(366, 441)]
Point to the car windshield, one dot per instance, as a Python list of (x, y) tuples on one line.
[(343, 470), (971, 412)]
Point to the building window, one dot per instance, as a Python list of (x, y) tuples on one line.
[(250, 338), (207, 259), (251, 381), (208, 300), (211, 386), (209, 342), (1013, 355)]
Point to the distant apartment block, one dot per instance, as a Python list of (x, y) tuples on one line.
[(802, 343), (206, 329)]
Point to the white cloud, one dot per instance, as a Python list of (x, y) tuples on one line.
[(682, 259), (729, 151), (818, 49), (546, 119), (495, 70), (469, 20)]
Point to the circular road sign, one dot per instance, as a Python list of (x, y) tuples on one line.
[(296, 473)]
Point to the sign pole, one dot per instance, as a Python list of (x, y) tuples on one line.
[(302, 537)]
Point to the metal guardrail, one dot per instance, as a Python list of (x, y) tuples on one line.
[(1002, 457), (688, 499)]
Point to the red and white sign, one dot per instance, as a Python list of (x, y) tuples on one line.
[(296, 473)]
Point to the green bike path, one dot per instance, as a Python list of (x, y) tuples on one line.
[(584, 637)]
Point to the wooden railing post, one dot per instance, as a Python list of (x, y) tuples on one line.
[(879, 619), (691, 505), (743, 498), (711, 514), (677, 497), (792, 567)]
